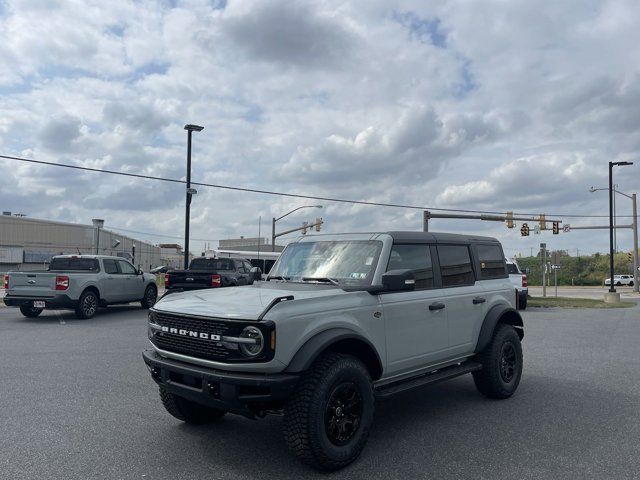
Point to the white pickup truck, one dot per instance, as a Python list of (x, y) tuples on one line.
[(81, 283), (519, 280)]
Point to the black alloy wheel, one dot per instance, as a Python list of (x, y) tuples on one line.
[(343, 413), (508, 362)]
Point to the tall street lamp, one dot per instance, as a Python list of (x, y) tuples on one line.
[(634, 227), (190, 191), (612, 289), (274, 220)]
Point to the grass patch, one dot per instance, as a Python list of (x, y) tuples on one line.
[(566, 302)]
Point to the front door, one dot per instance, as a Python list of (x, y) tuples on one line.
[(416, 325)]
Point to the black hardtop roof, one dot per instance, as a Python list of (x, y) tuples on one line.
[(435, 237)]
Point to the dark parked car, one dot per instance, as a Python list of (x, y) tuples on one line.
[(211, 273)]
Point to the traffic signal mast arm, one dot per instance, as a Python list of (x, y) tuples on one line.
[(491, 218), (303, 227)]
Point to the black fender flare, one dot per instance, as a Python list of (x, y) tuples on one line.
[(317, 344), (496, 314)]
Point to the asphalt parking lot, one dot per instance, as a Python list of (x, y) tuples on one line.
[(77, 403)]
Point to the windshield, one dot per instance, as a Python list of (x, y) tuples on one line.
[(347, 262)]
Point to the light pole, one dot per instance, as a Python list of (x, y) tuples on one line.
[(274, 220), (98, 223), (612, 289), (634, 227), (190, 191)]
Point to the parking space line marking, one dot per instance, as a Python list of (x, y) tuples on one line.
[(60, 319)]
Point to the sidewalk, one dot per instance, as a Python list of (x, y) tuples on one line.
[(583, 292)]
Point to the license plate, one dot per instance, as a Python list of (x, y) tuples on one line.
[(38, 304)]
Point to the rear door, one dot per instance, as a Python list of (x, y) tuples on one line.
[(465, 304), (416, 334)]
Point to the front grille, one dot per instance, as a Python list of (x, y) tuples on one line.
[(198, 347)]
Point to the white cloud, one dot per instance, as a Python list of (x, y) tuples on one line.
[(496, 105)]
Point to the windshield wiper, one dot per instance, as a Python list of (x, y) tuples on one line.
[(279, 277), (333, 281)]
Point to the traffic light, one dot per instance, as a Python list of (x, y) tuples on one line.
[(509, 219), (318, 224), (630, 257), (524, 230), (305, 225), (556, 228), (543, 223)]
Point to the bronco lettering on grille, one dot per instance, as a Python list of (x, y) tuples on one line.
[(191, 333)]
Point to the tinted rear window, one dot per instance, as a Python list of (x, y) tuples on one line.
[(75, 264), (491, 261), (211, 264), (455, 265)]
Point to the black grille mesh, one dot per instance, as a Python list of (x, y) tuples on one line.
[(197, 347)]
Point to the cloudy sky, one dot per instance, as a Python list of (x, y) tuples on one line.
[(483, 105)]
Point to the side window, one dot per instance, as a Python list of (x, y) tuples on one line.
[(126, 268), (110, 266), (491, 261), (455, 265), (416, 258)]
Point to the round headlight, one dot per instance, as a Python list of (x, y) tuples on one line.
[(254, 348)]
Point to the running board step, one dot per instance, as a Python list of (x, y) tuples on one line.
[(427, 379)]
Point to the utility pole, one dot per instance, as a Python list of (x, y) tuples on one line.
[(634, 223), (543, 248)]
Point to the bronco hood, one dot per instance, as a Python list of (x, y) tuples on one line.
[(240, 302)]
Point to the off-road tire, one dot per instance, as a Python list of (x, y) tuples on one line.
[(188, 411), (87, 305), (150, 297), (631, 283), (306, 417), (493, 380), (30, 312), (618, 284)]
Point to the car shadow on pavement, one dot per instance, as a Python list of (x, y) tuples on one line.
[(69, 316), (444, 431)]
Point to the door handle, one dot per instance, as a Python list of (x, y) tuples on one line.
[(478, 300), (436, 306)]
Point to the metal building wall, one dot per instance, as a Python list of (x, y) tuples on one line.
[(41, 238)]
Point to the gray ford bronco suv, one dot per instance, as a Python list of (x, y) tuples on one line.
[(341, 320)]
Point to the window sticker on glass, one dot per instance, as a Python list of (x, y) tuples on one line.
[(369, 261), (358, 275)]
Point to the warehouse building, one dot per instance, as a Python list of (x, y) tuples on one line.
[(29, 244)]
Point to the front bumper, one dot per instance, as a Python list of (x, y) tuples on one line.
[(241, 393), (58, 301)]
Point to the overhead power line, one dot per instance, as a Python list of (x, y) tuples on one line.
[(291, 195)]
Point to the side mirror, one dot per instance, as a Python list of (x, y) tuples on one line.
[(140, 272), (256, 273), (398, 281)]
